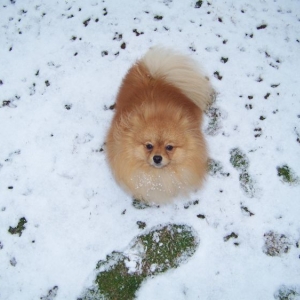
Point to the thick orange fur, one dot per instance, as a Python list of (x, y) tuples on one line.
[(153, 110)]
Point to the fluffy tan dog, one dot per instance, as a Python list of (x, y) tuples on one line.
[(155, 146)]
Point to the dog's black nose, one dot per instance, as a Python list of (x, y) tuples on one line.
[(157, 159)]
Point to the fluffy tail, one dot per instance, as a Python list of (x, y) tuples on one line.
[(181, 72)]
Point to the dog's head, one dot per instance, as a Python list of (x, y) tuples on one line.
[(160, 139)]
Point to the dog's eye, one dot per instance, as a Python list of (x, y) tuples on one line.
[(169, 147), (149, 146)]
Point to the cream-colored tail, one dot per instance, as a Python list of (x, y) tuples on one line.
[(181, 72)]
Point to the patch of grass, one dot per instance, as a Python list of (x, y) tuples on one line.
[(214, 114), (19, 228), (121, 274), (247, 184), (238, 159), (166, 248), (276, 244), (287, 175), (117, 282), (141, 204), (216, 168)]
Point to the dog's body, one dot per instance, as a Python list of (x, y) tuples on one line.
[(155, 147)]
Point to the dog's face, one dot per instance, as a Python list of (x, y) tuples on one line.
[(159, 153), (158, 137), (159, 143)]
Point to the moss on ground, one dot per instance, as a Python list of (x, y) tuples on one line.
[(121, 274), (276, 244), (139, 204), (287, 175), (214, 125), (215, 168), (19, 228), (240, 161), (247, 184)]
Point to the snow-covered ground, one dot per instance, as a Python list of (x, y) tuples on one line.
[(61, 63)]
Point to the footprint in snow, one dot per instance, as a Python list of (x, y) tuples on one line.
[(121, 274)]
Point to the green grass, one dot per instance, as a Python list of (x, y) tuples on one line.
[(238, 159), (215, 168), (117, 282), (247, 184), (19, 228), (140, 204), (287, 175), (155, 252), (214, 124)]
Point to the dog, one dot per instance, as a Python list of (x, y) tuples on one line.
[(155, 146)]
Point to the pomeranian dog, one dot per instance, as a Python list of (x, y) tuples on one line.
[(155, 147)]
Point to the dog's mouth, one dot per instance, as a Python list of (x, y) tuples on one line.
[(158, 166)]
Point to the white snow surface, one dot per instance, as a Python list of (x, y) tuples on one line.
[(56, 87)]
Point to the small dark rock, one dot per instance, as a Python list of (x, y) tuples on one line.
[(263, 26), (86, 22), (141, 224), (275, 85), (230, 236), (198, 4), (200, 216), (246, 210), (224, 60), (158, 18), (13, 262), (217, 75)]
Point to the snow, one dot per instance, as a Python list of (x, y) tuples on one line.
[(56, 87)]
